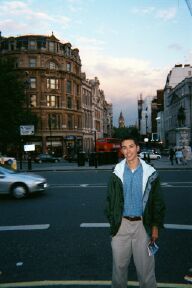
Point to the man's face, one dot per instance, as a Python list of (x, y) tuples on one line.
[(129, 150)]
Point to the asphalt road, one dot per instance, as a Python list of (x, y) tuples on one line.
[(53, 236)]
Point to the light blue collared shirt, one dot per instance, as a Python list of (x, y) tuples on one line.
[(132, 188)]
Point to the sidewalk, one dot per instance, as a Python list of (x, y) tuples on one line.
[(161, 164)]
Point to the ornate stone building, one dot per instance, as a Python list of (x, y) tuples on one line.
[(178, 114), (68, 106)]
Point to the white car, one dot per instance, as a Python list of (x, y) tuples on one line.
[(19, 184), (152, 155)]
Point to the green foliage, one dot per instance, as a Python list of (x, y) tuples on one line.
[(12, 99), (123, 132)]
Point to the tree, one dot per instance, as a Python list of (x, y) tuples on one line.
[(12, 99), (125, 131)]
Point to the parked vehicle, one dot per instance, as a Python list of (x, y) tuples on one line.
[(46, 158), (8, 161), (19, 184), (152, 155)]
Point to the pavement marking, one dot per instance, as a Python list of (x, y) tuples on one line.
[(94, 225), (102, 185), (78, 185), (25, 227), (89, 283), (105, 225), (84, 185), (178, 226)]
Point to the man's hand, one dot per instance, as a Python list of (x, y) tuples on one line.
[(154, 234)]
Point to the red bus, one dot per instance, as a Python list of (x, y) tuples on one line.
[(109, 145)]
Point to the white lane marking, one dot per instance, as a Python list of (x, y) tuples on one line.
[(178, 226), (94, 225), (89, 283), (163, 184), (78, 185), (25, 227), (105, 225), (84, 185)]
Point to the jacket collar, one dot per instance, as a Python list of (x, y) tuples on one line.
[(148, 170)]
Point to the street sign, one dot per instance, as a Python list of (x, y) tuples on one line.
[(27, 130), (29, 147)]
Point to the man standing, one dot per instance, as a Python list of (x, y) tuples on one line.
[(135, 210)]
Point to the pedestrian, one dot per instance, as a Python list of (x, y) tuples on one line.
[(185, 155), (171, 155), (135, 209), (179, 156)]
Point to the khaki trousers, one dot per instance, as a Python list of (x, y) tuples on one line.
[(132, 239)]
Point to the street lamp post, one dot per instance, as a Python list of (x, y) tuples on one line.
[(95, 147), (95, 139), (146, 120), (50, 130)]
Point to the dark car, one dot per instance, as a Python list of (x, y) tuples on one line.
[(46, 158)]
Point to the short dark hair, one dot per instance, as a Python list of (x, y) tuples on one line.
[(131, 137)]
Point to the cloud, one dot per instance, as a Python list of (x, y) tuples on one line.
[(175, 46), (167, 14), (145, 10), (164, 14), (122, 79), (21, 15)]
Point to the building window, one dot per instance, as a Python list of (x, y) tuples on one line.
[(41, 42), (69, 67), (33, 100), (68, 87), (68, 51), (33, 83), (78, 104), (53, 66), (69, 102), (51, 46), (52, 83), (52, 101), (12, 46), (76, 88), (69, 122), (54, 121), (32, 62), (79, 122), (32, 44)]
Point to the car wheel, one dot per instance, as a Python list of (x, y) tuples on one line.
[(158, 157), (19, 191)]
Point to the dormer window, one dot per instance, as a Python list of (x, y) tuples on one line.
[(51, 46), (68, 51), (32, 44)]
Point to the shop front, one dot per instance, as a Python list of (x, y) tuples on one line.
[(72, 146)]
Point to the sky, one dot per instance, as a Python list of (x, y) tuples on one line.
[(129, 45)]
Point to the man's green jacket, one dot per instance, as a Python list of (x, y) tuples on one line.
[(153, 203)]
